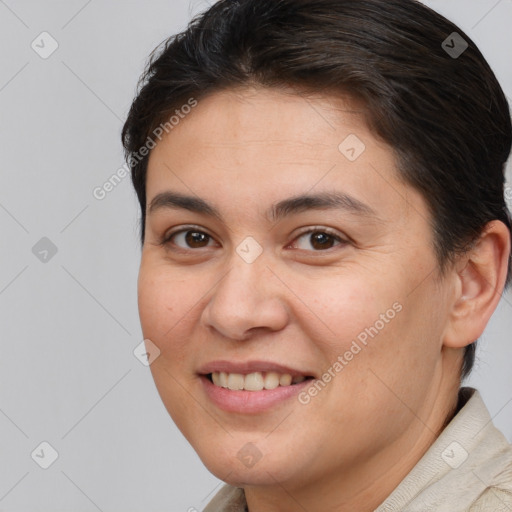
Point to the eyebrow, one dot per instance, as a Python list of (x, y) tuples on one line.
[(284, 208)]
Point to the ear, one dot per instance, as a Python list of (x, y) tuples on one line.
[(479, 282)]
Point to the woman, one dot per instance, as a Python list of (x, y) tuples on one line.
[(324, 238)]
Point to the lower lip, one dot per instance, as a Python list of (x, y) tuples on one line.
[(250, 401)]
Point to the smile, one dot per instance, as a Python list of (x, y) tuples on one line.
[(251, 387), (256, 381)]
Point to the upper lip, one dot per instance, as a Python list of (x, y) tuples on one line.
[(246, 367)]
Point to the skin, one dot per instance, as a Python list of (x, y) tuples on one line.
[(349, 447)]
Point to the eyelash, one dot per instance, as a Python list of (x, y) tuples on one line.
[(167, 239), (327, 231)]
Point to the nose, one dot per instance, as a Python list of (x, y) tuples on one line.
[(248, 299)]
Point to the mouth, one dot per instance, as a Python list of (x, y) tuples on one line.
[(255, 381), (251, 387)]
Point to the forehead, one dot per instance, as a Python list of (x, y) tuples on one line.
[(258, 144)]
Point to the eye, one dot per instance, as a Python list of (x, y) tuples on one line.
[(318, 239), (188, 239)]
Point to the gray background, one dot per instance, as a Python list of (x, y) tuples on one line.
[(69, 324)]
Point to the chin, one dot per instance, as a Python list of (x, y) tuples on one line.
[(248, 465), (260, 475)]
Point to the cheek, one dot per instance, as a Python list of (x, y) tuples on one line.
[(166, 308), (378, 329), (343, 308), (167, 305)]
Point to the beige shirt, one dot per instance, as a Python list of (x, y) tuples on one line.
[(467, 469)]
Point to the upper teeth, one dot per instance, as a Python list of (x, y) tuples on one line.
[(254, 381)]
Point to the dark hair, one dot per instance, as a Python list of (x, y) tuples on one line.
[(442, 111)]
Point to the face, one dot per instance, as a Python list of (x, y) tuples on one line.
[(282, 246)]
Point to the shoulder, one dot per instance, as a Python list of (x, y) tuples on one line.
[(493, 500)]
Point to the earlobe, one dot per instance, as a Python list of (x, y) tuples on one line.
[(480, 280)]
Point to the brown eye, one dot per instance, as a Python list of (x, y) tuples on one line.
[(196, 239), (189, 239), (321, 240), (318, 240)]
